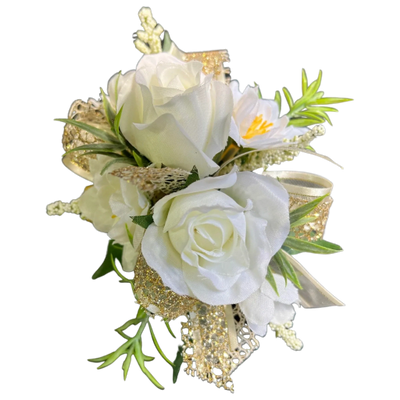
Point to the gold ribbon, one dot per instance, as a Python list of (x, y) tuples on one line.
[(303, 188)]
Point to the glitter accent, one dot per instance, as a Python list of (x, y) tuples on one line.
[(287, 334), (206, 346), (314, 230), (207, 350), (213, 63), (91, 113), (160, 300), (154, 182)]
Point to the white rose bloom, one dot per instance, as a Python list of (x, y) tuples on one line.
[(214, 239), (173, 113), (109, 204), (265, 306), (256, 121)]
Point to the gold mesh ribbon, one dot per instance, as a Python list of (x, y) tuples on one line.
[(91, 113), (303, 188), (216, 339), (213, 63)]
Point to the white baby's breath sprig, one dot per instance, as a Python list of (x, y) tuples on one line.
[(148, 41), (287, 334), (59, 208)]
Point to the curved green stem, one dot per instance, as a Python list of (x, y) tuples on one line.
[(153, 337)]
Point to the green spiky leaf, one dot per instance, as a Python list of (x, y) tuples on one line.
[(270, 278), (101, 147), (331, 100), (278, 99), (305, 209), (100, 134), (177, 364), (288, 97), (286, 268), (317, 247)]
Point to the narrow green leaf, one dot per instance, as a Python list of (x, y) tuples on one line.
[(153, 336), (304, 81), (122, 160), (116, 87), (103, 135), (193, 177), (103, 153), (278, 99), (304, 210), (317, 247), (130, 236), (143, 220), (258, 90), (313, 88), (310, 115), (288, 97), (303, 221), (270, 278), (321, 108), (114, 250), (167, 42), (169, 329), (108, 110), (286, 268), (103, 147), (137, 158), (331, 100), (302, 122), (120, 137), (126, 364)]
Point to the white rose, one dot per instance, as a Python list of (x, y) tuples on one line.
[(173, 113), (214, 239), (109, 204), (265, 306), (256, 121)]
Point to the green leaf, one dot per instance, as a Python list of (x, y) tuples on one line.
[(311, 115), (331, 100), (286, 268), (130, 236), (122, 160), (303, 221), (116, 87), (167, 42), (270, 278), (302, 122), (278, 99), (108, 110), (317, 247), (304, 210), (288, 97), (313, 88), (177, 364), (153, 337), (103, 135), (104, 153), (193, 177), (258, 90), (321, 108), (137, 158), (120, 137), (304, 81), (103, 147), (114, 251), (169, 329), (143, 220)]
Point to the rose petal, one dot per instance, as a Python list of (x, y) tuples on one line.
[(161, 256)]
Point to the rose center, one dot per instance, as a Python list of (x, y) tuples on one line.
[(258, 127)]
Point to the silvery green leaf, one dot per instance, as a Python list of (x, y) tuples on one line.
[(286, 268), (317, 247), (270, 278), (304, 210), (103, 135)]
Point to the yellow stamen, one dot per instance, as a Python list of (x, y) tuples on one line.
[(258, 127), (113, 216)]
